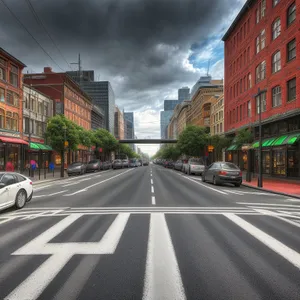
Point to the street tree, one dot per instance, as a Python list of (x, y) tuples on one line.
[(193, 140), (60, 130), (105, 140), (219, 142), (243, 136)]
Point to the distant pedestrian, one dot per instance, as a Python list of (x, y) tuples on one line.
[(10, 166)]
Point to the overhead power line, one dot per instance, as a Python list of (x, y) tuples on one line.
[(39, 21), (19, 21)]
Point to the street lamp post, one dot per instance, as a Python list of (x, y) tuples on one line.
[(62, 169)]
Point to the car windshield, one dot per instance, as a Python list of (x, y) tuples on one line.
[(118, 161), (1, 175), (196, 162), (93, 161), (229, 166)]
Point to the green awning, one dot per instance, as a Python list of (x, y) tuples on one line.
[(34, 146), (232, 147), (38, 146), (279, 141)]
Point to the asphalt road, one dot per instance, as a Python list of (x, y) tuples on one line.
[(150, 233)]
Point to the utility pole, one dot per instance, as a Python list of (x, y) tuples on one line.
[(79, 67)]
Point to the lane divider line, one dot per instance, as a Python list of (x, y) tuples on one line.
[(153, 200), (152, 189)]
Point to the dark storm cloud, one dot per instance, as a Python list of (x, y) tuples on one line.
[(141, 42)]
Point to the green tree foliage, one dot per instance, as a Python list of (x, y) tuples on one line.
[(244, 136), (193, 140), (59, 129), (168, 152), (219, 143), (125, 149)]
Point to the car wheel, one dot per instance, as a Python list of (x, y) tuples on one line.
[(215, 181), (237, 184), (189, 171), (20, 199), (30, 197)]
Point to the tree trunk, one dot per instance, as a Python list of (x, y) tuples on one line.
[(62, 168)]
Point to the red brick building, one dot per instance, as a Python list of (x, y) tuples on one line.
[(69, 99), (262, 51), (11, 113)]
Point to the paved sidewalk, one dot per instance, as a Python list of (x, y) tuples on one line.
[(280, 186), (49, 176)]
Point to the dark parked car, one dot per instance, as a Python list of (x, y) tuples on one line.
[(106, 165), (76, 168), (117, 164), (178, 165), (125, 163), (169, 164), (93, 166), (223, 172)]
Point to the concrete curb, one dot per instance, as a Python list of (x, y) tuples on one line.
[(38, 182), (270, 191)]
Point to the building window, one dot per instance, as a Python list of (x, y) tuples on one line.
[(291, 14), (40, 107), (2, 118), (261, 41), (276, 62), (261, 71), (241, 112), (263, 98), (221, 127), (257, 16), (2, 99), (46, 109), (291, 89), (3, 69), (237, 114), (249, 81), (13, 75), (249, 109), (275, 2), (276, 29), (291, 50), (26, 125), (262, 8), (276, 96)]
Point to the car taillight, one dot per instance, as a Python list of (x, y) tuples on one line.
[(30, 182), (241, 173), (222, 173)]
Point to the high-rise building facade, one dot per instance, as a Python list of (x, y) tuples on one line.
[(119, 124), (262, 65), (183, 94), (170, 104), (165, 117), (102, 95), (98, 117)]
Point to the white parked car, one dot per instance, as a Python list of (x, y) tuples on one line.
[(194, 166), (15, 190)]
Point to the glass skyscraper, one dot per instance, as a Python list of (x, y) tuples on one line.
[(183, 94), (170, 104), (165, 117)]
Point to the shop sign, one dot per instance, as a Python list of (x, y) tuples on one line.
[(9, 134), (66, 143), (246, 147), (210, 148)]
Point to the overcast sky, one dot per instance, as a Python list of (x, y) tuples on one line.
[(147, 49)]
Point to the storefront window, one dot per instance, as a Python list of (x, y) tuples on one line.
[(279, 161), (266, 162), (14, 155), (1, 158), (293, 162)]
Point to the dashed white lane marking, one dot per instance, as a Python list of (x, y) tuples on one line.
[(292, 200), (151, 175), (152, 189), (208, 187), (153, 200), (162, 280), (53, 194), (92, 185), (289, 254), (151, 181)]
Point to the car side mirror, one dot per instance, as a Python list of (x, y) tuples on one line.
[(2, 185)]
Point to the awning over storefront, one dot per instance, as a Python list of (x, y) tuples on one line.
[(12, 140), (232, 147), (279, 141), (38, 146)]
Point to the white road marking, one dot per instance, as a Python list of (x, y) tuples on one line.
[(53, 194), (69, 184), (153, 200), (162, 278), (269, 204), (271, 213), (152, 189), (87, 187), (34, 285), (289, 254), (204, 185), (7, 220), (292, 200), (151, 181), (233, 192), (150, 175)]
